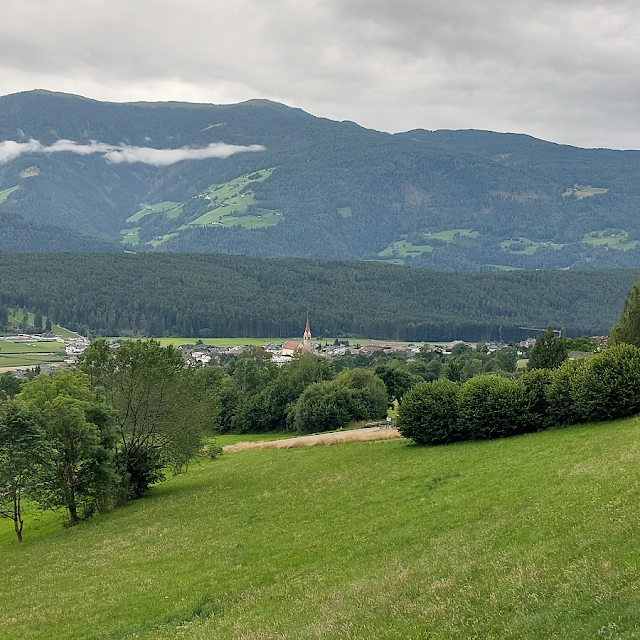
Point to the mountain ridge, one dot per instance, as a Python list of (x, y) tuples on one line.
[(452, 200)]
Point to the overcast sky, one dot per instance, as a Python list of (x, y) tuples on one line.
[(561, 70)]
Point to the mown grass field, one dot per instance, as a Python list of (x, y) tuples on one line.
[(20, 354), (529, 537)]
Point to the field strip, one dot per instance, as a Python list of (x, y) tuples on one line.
[(355, 435)]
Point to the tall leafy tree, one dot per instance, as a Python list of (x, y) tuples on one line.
[(21, 455), (76, 447), (161, 413)]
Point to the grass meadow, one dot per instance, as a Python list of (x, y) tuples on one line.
[(22, 355), (529, 537)]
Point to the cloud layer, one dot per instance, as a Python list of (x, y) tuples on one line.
[(9, 150), (564, 70)]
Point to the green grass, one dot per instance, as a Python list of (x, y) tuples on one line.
[(581, 191), (259, 342), (401, 249), (530, 246), (130, 236), (171, 209), (15, 317), (610, 239), (450, 234), (30, 172), (230, 201), (529, 537), (7, 192), (22, 355)]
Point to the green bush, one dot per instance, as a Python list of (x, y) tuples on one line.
[(536, 384), (491, 407), (607, 387), (561, 394), (428, 413)]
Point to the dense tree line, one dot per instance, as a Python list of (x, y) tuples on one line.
[(208, 296)]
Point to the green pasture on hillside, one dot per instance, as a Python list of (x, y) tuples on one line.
[(171, 209), (580, 191), (526, 246), (230, 201), (611, 239), (530, 537), (402, 249), (7, 192)]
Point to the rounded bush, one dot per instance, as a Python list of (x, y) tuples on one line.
[(562, 407), (607, 387), (491, 407), (428, 413)]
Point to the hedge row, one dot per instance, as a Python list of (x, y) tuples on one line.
[(605, 386)]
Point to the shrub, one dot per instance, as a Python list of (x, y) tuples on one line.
[(561, 394), (536, 385), (428, 413), (607, 387), (491, 407)]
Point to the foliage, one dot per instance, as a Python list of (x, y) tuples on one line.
[(607, 386), (158, 295), (428, 413), (491, 407), (627, 329), (161, 412), (77, 457), (536, 384), (561, 393), (548, 352), (21, 454)]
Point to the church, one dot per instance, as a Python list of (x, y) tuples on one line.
[(292, 346)]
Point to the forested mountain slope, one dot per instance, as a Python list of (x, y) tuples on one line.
[(263, 179), (217, 295)]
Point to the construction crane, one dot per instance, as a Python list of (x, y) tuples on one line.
[(558, 331)]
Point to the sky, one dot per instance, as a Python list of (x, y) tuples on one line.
[(561, 70)]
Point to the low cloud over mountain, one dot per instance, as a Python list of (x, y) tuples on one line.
[(10, 150)]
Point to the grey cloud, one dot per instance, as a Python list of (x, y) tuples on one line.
[(564, 70), (9, 150)]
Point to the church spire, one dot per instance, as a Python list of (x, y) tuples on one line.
[(306, 338)]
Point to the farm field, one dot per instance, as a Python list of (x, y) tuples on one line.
[(20, 354), (529, 537)]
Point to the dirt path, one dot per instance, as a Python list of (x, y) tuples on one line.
[(355, 435)]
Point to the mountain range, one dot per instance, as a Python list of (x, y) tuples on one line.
[(263, 179)]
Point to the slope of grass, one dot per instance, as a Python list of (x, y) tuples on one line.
[(229, 203), (610, 239), (530, 537), (7, 192), (171, 209)]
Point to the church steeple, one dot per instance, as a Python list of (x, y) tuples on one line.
[(306, 338)]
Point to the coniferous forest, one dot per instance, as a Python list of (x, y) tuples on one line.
[(196, 296)]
